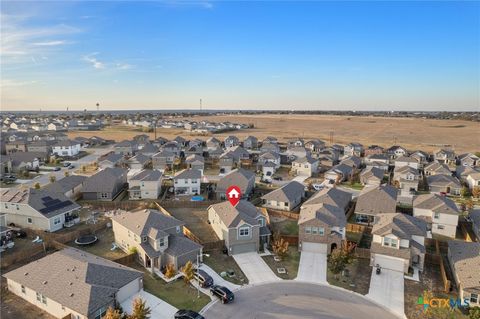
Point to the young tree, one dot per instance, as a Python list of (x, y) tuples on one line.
[(36, 186), (340, 258), (140, 310), (469, 205), (84, 168), (279, 245), (476, 192), (66, 173), (112, 314), (52, 178), (170, 271), (188, 272), (465, 191)]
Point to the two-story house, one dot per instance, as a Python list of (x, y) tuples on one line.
[(187, 182), (126, 147), (353, 149), (339, 173), (407, 161), (105, 185), (240, 177), (371, 176), (445, 156), (243, 227), (70, 186), (398, 242), (269, 157), (250, 143), (66, 148), (145, 184), (164, 160), (446, 184), (322, 221), (231, 141), (406, 179), (374, 200), (469, 160), (285, 198), (138, 161), (305, 166), (158, 239), (195, 162), (440, 213), (396, 151), (437, 169)]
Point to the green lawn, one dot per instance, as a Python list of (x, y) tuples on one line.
[(221, 262), (355, 237), (290, 263), (357, 186), (176, 293), (286, 227)]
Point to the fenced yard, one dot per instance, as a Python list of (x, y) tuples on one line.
[(196, 221), (103, 246)]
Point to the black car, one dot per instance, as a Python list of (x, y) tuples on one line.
[(188, 314), (66, 164), (204, 279), (223, 293), (56, 168)]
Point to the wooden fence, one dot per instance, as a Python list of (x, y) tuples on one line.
[(280, 213), (126, 260), (446, 282), (357, 228), (291, 239), (362, 252)]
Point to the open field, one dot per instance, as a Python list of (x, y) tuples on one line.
[(413, 133)]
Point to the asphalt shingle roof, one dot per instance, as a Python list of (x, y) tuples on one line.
[(466, 259), (233, 216), (377, 200), (436, 203), (287, 193)]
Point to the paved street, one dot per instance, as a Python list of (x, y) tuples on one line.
[(255, 268), (388, 290), (292, 300), (312, 267)]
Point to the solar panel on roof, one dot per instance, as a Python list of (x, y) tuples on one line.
[(46, 198), (55, 207)]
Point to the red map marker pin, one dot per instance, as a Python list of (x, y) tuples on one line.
[(233, 194)]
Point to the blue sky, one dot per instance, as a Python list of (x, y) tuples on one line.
[(240, 55)]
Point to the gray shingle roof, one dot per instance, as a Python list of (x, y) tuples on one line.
[(78, 280), (47, 203), (331, 196), (372, 172), (140, 158), (377, 200), (140, 222), (438, 168), (179, 245), (443, 181), (232, 216), (377, 248), (329, 214), (436, 203), (147, 175), (189, 174), (113, 158), (287, 193), (401, 225), (103, 181), (239, 177), (466, 259), (65, 184)]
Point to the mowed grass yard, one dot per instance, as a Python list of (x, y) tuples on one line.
[(221, 262), (358, 278), (103, 246), (177, 293), (197, 221), (289, 262), (286, 227)]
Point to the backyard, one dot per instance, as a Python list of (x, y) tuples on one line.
[(103, 247), (284, 226), (176, 293), (196, 219), (289, 262), (220, 262), (356, 277)]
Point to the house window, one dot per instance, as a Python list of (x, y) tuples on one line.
[(144, 238), (440, 227), (57, 221), (29, 220), (321, 231), (244, 232), (178, 229), (44, 300), (314, 230), (261, 222), (194, 181), (103, 195), (6, 206), (390, 242), (23, 289), (474, 298), (18, 207), (39, 296), (136, 238), (436, 215), (308, 230), (162, 242)]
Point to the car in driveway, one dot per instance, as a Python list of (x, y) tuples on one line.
[(223, 293), (188, 314), (204, 279)]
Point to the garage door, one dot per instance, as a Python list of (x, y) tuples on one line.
[(243, 248), (314, 247), (388, 262)]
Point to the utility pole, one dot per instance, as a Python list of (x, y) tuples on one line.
[(331, 137), (98, 106), (200, 105)]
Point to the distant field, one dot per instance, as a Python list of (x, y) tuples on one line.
[(412, 133)]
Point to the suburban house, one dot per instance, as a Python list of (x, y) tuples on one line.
[(315, 145), (43, 146), (268, 169), (126, 147), (374, 149), (444, 156), (195, 162), (407, 161), (406, 179), (225, 162), (305, 166), (70, 186), (354, 162), (251, 142), (25, 160), (447, 184), (440, 213), (270, 147), (158, 239), (39, 209), (373, 201), (269, 157), (164, 160), (469, 159), (473, 179), (396, 151), (67, 148), (322, 221), (243, 227), (371, 176), (353, 149), (148, 150), (213, 143), (111, 160), (437, 169), (187, 182), (339, 173), (72, 283), (475, 218), (378, 160), (295, 142), (243, 178), (105, 185), (421, 157), (398, 242), (286, 198), (138, 161), (464, 258), (231, 141), (146, 184), (16, 146)]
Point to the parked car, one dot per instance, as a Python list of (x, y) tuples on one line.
[(188, 314), (71, 166), (278, 178), (223, 293), (66, 164), (204, 279), (56, 169), (317, 187)]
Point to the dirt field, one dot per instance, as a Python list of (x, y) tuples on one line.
[(412, 133)]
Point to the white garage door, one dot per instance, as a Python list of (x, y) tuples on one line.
[(388, 262), (314, 247)]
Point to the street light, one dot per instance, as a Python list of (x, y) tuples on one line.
[(198, 266)]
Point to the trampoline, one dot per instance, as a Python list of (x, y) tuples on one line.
[(86, 240), (197, 198)]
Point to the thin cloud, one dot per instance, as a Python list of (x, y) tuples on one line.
[(124, 66), (94, 61), (8, 83), (50, 43)]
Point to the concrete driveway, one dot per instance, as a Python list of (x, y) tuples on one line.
[(312, 267), (160, 309), (388, 289), (255, 268), (217, 279), (288, 299)]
